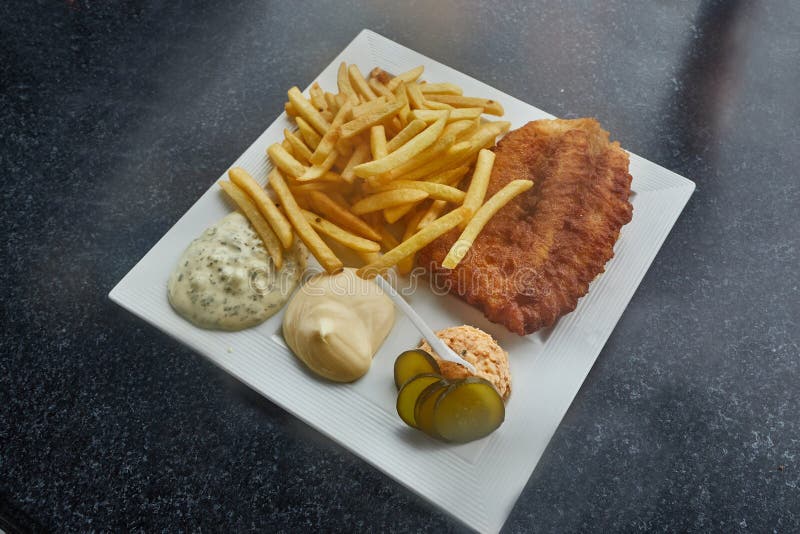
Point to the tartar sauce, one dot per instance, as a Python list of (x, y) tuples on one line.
[(226, 280)]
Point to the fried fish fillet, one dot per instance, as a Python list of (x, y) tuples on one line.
[(538, 254)]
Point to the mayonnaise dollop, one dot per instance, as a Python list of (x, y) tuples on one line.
[(336, 323)]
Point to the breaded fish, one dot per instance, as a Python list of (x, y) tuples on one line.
[(536, 257)]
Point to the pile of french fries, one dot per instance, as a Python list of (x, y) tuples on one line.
[(375, 167)]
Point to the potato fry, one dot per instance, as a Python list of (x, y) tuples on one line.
[(380, 89), (368, 106), (387, 199), (436, 106), (310, 136), (318, 97), (440, 156), (405, 265), (360, 84), (480, 181), (299, 148), (456, 114), (410, 149), (414, 243), (415, 97), (366, 121), (327, 115), (359, 155), (402, 97), (432, 213), (345, 88), (242, 179), (491, 107), (340, 235), (395, 213), (307, 111), (341, 215), (377, 141), (317, 171), (289, 109), (285, 161), (308, 235), (333, 104), (262, 228), (403, 136), (380, 75), (440, 89), (449, 177), (434, 190), (328, 141), (406, 77), (308, 187), (479, 220)]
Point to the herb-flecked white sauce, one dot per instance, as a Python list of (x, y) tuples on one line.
[(226, 280)]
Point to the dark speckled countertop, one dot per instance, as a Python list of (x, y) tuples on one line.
[(115, 118)]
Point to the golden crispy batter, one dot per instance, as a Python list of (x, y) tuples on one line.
[(537, 256), (478, 348)]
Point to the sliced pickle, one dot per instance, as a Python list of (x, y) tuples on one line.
[(426, 404), (471, 409), (407, 398), (412, 363)]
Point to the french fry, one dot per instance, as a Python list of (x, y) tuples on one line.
[(285, 161), (406, 77), (435, 190), (318, 97), (380, 75), (317, 171), (360, 84), (410, 149), (406, 134), (430, 104), (343, 81), (419, 240), (262, 228), (377, 141), (359, 155), (436, 208), (449, 177), (387, 199), (289, 109), (456, 114), (328, 141), (366, 121), (479, 182), (308, 187), (380, 89), (492, 107), (405, 265), (308, 235), (402, 97), (368, 106), (395, 213), (307, 111), (440, 156), (415, 97), (299, 148), (242, 179), (341, 215), (310, 136), (479, 220), (327, 115), (440, 89), (333, 104), (340, 235)]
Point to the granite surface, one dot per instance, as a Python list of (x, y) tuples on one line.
[(115, 118)]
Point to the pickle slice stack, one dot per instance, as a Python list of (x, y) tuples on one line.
[(456, 411)]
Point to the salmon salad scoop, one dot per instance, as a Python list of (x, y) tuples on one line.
[(536, 257)]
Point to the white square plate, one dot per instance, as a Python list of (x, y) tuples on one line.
[(478, 482)]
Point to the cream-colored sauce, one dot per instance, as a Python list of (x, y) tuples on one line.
[(226, 280), (336, 323)]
